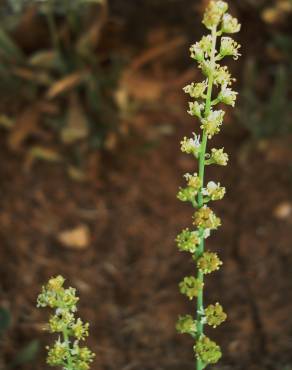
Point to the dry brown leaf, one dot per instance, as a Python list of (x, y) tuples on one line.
[(44, 59), (49, 108), (36, 76), (272, 15), (65, 84), (111, 141), (140, 87), (135, 84), (155, 52), (41, 153), (76, 174), (6, 121), (77, 124), (77, 238), (45, 154), (25, 124)]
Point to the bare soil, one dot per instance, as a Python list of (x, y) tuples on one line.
[(127, 277)]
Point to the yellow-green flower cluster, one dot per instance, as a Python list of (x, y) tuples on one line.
[(191, 145), (218, 157), (53, 295), (209, 262), (186, 325), (189, 193), (65, 352), (196, 90), (229, 47), (214, 191), (214, 13), (208, 53), (190, 286), (188, 241), (212, 122), (215, 315), (207, 350), (205, 218), (195, 109)]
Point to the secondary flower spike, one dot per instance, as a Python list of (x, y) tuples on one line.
[(208, 53), (66, 352)]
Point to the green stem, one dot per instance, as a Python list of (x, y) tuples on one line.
[(66, 340), (200, 275)]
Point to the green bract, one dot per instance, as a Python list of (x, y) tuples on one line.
[(208, 53), (65, 352)]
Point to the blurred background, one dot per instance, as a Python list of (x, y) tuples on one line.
[(91, 116)]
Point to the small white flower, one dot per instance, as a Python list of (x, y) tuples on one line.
[(211, 186), (207, 233), (214, 191), (227, 96)]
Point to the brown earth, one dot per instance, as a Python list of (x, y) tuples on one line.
[(127, 277)]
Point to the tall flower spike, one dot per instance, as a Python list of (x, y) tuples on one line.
[(66, 351), (208, 53)]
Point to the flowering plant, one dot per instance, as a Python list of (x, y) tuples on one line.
[(66, 351), (205, 52)]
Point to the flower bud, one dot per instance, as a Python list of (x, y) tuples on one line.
[(214, 13), (197, 52), (230, 24)]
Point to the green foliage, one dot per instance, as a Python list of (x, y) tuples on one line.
[(5, 321), (66, 351), (207, 54), (26, 354), (265, 115), (70, 74)]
